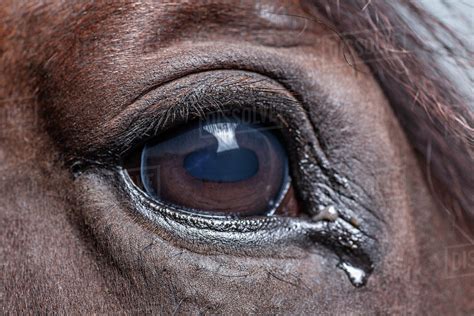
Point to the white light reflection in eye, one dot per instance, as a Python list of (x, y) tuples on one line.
[(225, 135)]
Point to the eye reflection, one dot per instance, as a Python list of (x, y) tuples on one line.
[(228, 163), (222, 167)]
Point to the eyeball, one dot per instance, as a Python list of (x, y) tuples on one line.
[(221, 167)]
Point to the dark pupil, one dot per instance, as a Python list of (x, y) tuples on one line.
[(228, 166), (217, 167)]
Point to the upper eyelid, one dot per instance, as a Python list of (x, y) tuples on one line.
[(131, 85), (151, 113)]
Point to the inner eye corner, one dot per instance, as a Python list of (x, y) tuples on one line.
[(225, 164)]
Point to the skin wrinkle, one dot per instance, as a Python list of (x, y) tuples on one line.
[(72, 245)]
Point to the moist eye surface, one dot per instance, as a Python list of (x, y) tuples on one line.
[(219, 166)]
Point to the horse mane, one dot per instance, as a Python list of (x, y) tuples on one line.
[(432, 110)]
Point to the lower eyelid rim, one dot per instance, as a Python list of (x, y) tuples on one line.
[(260, 236), (200, 213)]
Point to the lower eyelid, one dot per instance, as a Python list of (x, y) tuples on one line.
[(276, 237)]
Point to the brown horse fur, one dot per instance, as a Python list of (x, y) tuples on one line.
[(68, 72)]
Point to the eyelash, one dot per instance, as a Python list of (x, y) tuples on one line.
[(199, 95)]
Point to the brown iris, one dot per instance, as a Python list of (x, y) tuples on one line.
[(223, 167)]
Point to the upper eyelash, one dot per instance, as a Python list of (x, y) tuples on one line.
[(182, 115), (143, 124)]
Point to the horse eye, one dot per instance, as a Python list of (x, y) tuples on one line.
[(217, 167)]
